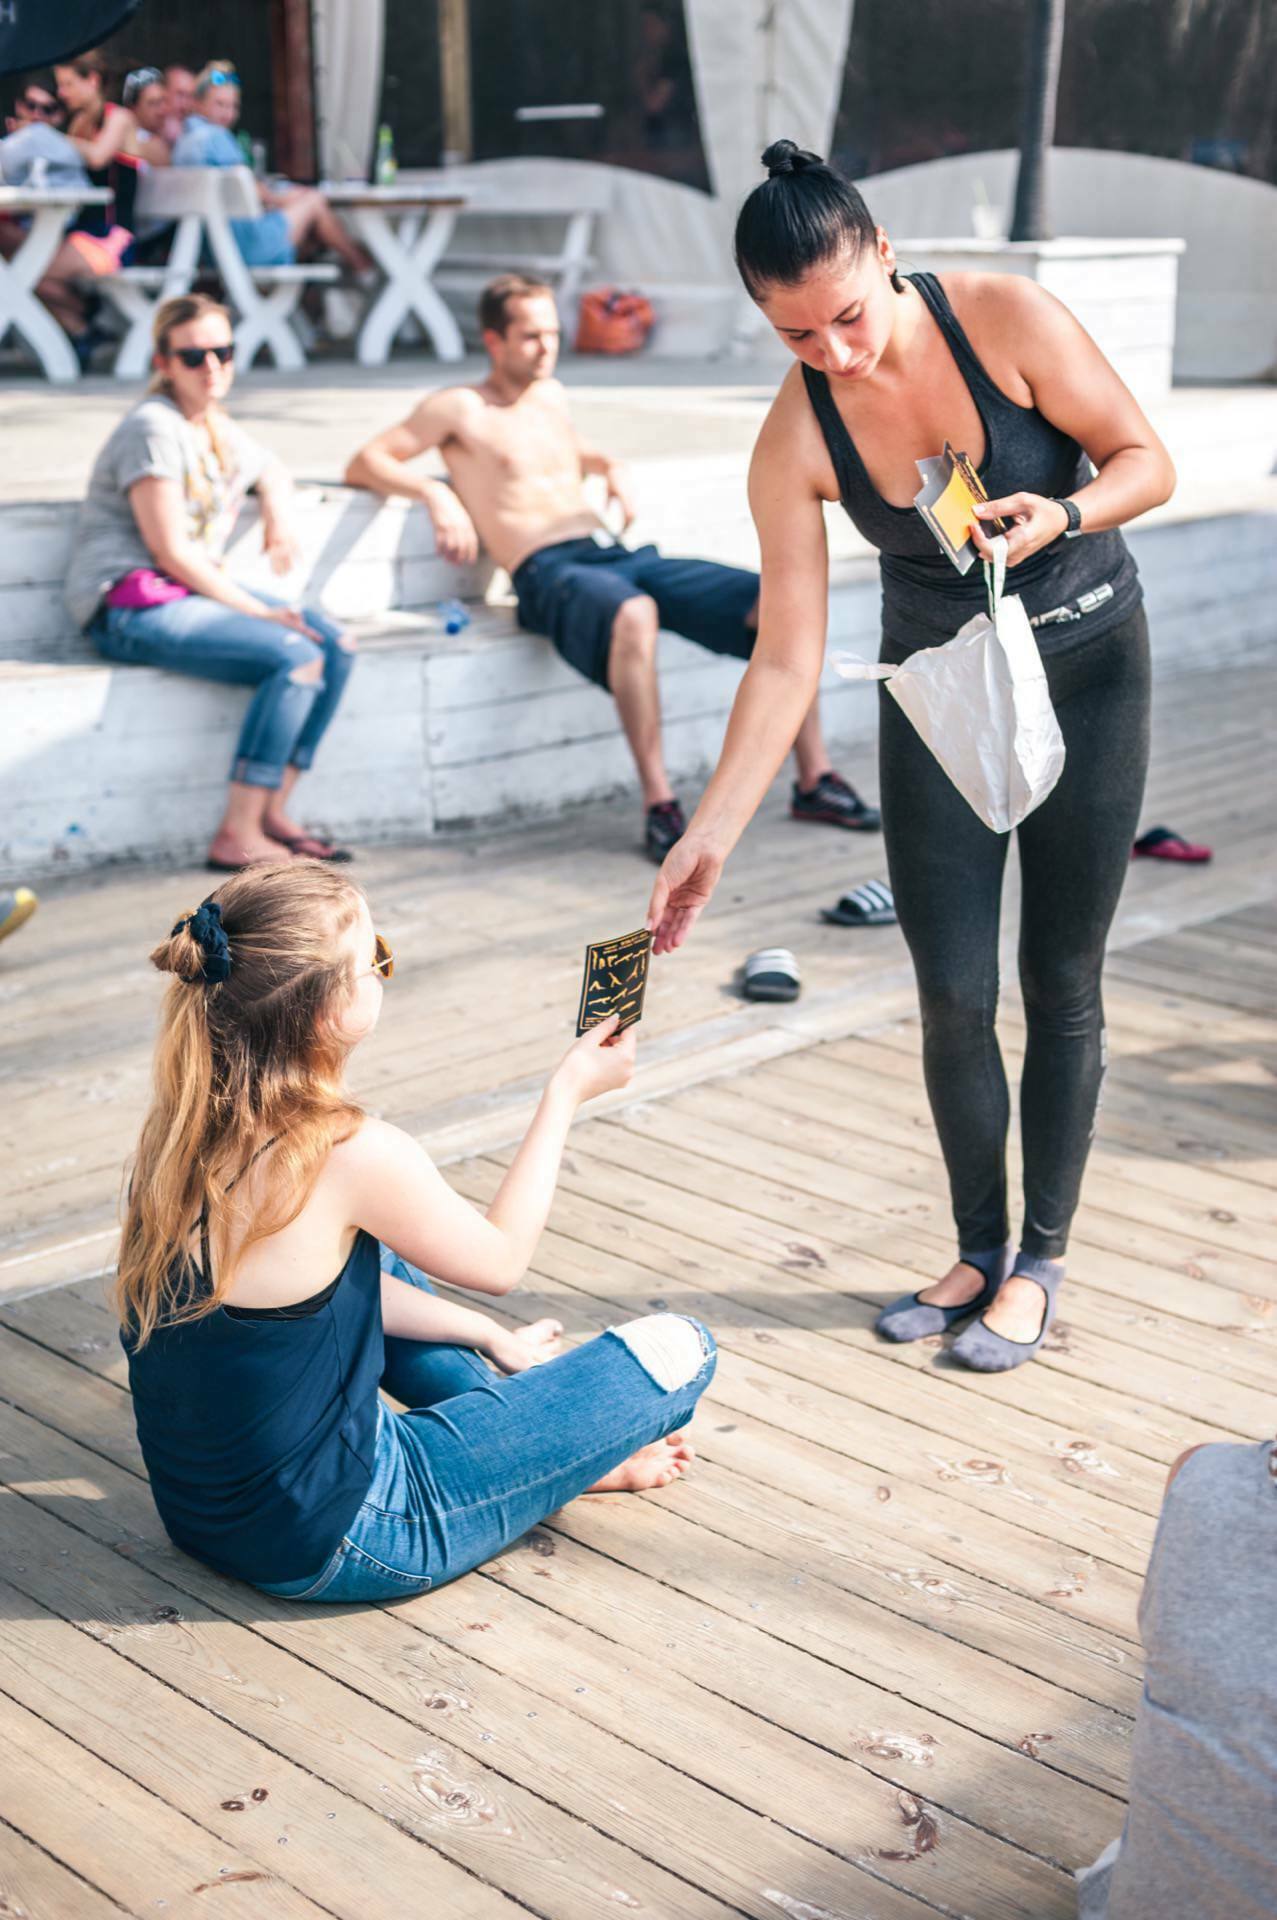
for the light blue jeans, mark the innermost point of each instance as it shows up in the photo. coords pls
(479, 1458)
(286, 718)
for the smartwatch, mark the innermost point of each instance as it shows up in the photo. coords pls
(1074, 512)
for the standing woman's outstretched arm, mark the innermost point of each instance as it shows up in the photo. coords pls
(781, 679)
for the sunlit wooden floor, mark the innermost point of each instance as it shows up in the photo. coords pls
(878, 1656)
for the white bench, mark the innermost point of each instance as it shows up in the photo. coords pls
(438, 730)
(202, 202)
(555, 234)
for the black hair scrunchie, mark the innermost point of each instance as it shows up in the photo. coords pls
(210, 936)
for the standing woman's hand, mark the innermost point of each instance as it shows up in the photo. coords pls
(683, 888)
(1033, 522)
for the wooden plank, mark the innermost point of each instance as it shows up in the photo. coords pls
(96, 1687)
(34, 1885)
(381, 1652)
(374, 1657)
(127, 1844)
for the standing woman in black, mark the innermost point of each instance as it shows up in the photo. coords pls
(890, 367)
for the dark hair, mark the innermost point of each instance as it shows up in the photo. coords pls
(802, 215)
(495, 299)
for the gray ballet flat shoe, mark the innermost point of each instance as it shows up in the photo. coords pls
(984, 1351)
(910, 1318)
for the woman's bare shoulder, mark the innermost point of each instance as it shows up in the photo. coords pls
(790, 441)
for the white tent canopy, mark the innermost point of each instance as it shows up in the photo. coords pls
(781, 78)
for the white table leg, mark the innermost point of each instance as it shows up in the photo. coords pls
(19, 307)
(269, 326)
(407, 254)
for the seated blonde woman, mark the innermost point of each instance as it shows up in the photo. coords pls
(148, 585)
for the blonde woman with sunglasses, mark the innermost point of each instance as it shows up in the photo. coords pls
(148, 585)
(272, 1283)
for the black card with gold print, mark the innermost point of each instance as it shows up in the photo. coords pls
(615, 980)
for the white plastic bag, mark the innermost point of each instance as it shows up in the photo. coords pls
(981, 704)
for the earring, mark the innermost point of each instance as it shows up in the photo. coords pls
(894, 276)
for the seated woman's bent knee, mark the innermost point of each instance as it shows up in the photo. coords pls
(671, 1348)
(308, 675)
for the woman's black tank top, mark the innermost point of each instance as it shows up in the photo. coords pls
(924, 598)
(258, 1427)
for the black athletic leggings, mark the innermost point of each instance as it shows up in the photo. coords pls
(946, 871)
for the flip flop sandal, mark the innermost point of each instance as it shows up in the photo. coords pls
(772, 974)
(311, 846)
(867, 906)
(1163, 843)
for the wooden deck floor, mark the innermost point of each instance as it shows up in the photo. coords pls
(877, 1658)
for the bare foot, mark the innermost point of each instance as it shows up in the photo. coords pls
(1017, 1311)
(237, 849)
(960, 1284)
(654, 1466)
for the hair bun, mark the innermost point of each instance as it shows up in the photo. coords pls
(786, 156)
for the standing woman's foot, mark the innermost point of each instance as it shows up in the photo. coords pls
(655, 1466)
(970, 1284)
(1013, 1329)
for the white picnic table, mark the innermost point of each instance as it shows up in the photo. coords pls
(406, 228)
(51, 210)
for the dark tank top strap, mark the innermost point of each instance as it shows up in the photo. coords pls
(969, 362)
(849, 468)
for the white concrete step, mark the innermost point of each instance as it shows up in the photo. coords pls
(99, 762)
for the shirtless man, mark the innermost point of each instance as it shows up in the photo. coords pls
(517, 465)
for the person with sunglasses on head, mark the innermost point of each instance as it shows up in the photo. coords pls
(272, 1283)
(294, 220)
(148, 585)
(146, 96)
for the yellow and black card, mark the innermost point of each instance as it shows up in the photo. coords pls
(615, 980)
(947, 501)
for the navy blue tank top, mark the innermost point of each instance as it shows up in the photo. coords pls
(924, 598)
(258, 1429)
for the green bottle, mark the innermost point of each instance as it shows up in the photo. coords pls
(386, 167)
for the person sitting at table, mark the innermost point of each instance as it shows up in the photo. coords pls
(179, 88)
(517, 465)
(36, 105)
(98, 240)
(294, 220)
(147, 583)
(35, 154)
(146, 96)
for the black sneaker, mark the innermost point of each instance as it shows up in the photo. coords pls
(836, 803)
(666, 825)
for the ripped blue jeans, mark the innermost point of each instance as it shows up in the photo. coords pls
(286, 718)
(479, 1458)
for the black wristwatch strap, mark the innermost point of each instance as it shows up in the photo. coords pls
(1074, 513)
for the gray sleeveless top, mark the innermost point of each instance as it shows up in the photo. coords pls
(924, 597)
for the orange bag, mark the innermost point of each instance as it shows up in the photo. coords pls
(613, 322)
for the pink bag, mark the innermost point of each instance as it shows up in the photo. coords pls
(144, 587)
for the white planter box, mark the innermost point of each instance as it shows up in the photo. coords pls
(1122, 291)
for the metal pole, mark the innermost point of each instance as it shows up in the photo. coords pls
(454, 70)
(1042, 80)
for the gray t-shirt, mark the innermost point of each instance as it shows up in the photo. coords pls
(1201, 1829)
(156, 440)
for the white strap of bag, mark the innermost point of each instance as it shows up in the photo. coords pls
(995, 574)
